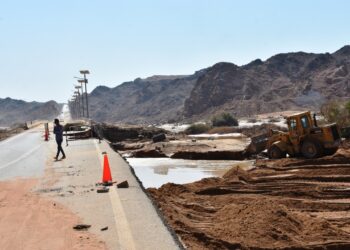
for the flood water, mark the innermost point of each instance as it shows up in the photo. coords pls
(154, 172)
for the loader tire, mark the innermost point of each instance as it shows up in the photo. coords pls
(275, 152)
(330, 151)
(311, 149)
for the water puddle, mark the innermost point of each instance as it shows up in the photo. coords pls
(154, 172)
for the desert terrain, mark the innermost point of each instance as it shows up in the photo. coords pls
(280, 204)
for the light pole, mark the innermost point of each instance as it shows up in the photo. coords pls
(76, 106)
(69, 106)
(77, 103)
(81, 81)
(81, 98)
(84, 73)
(77, 97)
(73, 107)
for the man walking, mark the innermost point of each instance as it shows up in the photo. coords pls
(58, 131)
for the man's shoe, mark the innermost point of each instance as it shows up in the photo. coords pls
(63, 157)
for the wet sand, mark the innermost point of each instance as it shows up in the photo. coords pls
(281, 204)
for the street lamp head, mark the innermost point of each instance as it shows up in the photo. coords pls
(84, 72)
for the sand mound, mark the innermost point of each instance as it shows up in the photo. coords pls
(281, 204)
(237, 173)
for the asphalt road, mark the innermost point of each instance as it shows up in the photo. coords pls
(128, 214)
(23, 155)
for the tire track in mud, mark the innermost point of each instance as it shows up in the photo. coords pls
(284, 204)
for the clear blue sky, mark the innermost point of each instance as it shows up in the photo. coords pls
(43, 44)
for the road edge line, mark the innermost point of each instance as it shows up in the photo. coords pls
(126, 239)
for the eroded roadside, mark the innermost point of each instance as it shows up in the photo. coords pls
(289, 203)
(72, 183)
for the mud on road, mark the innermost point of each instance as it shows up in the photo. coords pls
(281, 204)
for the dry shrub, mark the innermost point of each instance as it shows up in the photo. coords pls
(337, 112)
(224, 119)
(197, 128)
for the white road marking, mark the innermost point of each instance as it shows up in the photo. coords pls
(21, 157)
(126, 240)
(123, 228)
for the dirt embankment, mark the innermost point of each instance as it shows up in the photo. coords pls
(224, 143)
(15, 129)
(281, 204)
(184, 147)
(118, 133)
(187, 148)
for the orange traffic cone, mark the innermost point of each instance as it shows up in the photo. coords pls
(107, 177)
(46, 134)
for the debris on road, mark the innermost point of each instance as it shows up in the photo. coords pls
(81, 227)
(102, 190)
(123, 184)
(104, 228)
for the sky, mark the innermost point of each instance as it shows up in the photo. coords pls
(44, 44)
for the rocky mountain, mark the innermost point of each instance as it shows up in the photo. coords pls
(152, 100)
(17, 111)
(285, 81)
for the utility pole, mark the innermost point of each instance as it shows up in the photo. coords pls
(76, 107)
(77, 97)
(84, 73)
(80, 99)
(81, 81)
(69, 106)
(73, 107)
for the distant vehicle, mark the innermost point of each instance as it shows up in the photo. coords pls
(304, 137)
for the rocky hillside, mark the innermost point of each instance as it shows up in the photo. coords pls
(17, 111)
(152, 100)
(284, 81)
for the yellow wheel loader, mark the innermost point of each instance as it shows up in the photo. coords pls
(304, 138)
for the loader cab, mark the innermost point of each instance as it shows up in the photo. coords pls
(299, 125)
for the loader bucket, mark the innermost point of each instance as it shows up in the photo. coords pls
(258, 144)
